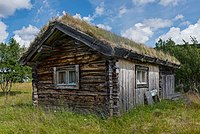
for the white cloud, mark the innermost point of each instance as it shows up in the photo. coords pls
(3, 32)
(122, 11)
(179, 17)
(173, 32)
(169, 2)
(88, 18)
(8, 7)
(142, 2)
(157, 23)
(25, 35)
(185, 23)
(161, 2)
(85, 18)
(99, 9)
(44, 11)
(106, 27)
(178, 35)
(77, 16)
(141, 32)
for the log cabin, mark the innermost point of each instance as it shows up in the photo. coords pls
(87, 69)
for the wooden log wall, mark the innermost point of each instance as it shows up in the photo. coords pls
(92, 95)
(110, 85)
(130, 96)
(34, 86)
(116, 89)
(113, 87)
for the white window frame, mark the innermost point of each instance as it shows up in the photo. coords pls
(66, 69)
(142, 73)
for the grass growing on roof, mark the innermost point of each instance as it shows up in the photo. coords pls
(17, 115)
(109, 38)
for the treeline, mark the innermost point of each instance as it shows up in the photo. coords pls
(10, 69)
(188, 76)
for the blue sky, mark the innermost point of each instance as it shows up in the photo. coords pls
(143, 21)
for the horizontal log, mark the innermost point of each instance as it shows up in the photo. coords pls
(45, 82)
(83, 74)
(93, 77)
(82, 60)
(83, 100)
(44, 72)
(75, 93)
(43, 79)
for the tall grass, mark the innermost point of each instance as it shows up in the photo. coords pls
(17, 115)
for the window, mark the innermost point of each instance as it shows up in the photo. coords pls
(142, 76)
(66, 77)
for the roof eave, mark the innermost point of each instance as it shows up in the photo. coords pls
(94, 43)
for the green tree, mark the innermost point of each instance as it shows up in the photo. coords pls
(10, 69)
(189, 55)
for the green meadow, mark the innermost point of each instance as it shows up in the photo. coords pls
(18, 116)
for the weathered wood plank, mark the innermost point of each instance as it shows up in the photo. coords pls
(131, 88)
(140, 96)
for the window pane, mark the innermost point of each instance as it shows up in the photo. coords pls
(143, 77)
(138, 76)
(62, 77)
(72, 77)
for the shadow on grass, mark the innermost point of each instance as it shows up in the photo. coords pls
(13, 93)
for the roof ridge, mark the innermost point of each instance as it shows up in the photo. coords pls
(107, 37)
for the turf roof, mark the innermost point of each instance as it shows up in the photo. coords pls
(109, 38)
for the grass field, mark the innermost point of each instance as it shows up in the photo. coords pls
(17, 116)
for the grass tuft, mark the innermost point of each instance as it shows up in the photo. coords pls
(17, 115)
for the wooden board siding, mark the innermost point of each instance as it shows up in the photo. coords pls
(92, 94)
(126, 84)
(139, 96)
(153, 77)
(131, 96)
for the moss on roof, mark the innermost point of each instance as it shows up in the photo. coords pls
(108, 37)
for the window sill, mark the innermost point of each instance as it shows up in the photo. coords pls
(142, 83)
(142, 86)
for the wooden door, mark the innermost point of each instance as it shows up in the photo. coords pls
(167, 86)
